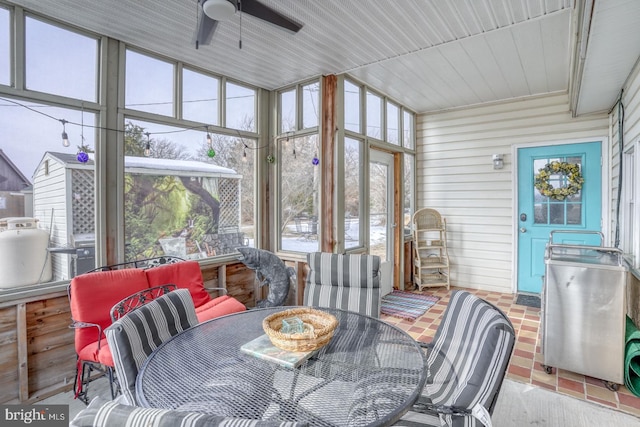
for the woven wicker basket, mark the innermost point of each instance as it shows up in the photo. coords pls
(324, 324)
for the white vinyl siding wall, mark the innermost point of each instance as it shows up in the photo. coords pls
(50, 198)
(455, 175)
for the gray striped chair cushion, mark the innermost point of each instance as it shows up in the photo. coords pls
(134, 337)
(104, 413)
(349, 282)
(476, 340)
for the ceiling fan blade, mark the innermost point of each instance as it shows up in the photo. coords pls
(259, 10)
(206, 28)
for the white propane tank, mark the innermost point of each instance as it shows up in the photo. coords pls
(24, 258)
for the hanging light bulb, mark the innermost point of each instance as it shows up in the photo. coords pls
(147, 148)
(209, 139)
(65, 137)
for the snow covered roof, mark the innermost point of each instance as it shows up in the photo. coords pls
(152, 166)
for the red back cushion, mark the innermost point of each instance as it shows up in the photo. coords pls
(185, 274)
(94, 294)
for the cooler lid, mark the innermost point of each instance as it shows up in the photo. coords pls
(592, 255)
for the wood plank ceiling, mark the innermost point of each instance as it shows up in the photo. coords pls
(429, 55)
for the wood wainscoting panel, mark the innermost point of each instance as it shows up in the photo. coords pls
(50, 346)
(9, 384)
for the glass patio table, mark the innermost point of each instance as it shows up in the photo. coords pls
(370, 373)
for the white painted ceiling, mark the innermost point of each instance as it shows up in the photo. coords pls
(429, 55)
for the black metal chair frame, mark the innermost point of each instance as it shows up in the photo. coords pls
(137, 300)
(140, 263)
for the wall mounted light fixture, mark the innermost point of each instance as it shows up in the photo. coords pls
(498, 161)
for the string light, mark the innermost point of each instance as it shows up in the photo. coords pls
(209, 140)
(147, 148)
(65, 137)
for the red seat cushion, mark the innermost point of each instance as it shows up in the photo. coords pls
(94, 294)
(185, 274)
(92, 353)
(217, 307)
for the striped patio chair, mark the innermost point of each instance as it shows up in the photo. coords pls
(163, 317)
(348, 282)
(466, 363)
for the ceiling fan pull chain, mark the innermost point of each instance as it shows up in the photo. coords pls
(240, 10)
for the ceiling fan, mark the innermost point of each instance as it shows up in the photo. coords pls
(210, 12)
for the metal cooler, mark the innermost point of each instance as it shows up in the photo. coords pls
(583, 310)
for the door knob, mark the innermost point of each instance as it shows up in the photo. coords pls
(523, 230)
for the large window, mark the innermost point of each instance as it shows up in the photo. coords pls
(200, 97)
(407, 130)
(148, 84)
(189, 191)
(386, 122)
(393, 124)
(299, 195)
(374, 115)
(240, 107)
(62, 194)
(60, 61)
(353, 171)
(50, 140)
(299, 107)
(5, 42)
(181, 201)
(352, 104)
(310, 105)
(288, 109)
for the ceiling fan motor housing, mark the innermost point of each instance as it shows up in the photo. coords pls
(220, 10)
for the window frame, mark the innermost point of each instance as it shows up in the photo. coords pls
(630, 210)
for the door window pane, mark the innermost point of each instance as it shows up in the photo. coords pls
(240, 107)
(299, 194)
(351, 107)
(557, 209)
(393, 123)
(353, 152)
(59, 61)
(378, 208)
(5, 53)
(374, 115)
(310, 105)
(148, 84)
(200, 97)
(181, 201)
(288, 111)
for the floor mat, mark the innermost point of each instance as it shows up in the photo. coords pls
(406, 305)
(528, 300)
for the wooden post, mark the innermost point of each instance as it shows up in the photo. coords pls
(328, 127)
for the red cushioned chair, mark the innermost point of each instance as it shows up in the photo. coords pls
(91, 297)
(188, 275)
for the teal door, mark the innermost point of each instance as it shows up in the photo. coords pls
(539, 214)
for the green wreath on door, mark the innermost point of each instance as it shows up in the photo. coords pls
(569, 170)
